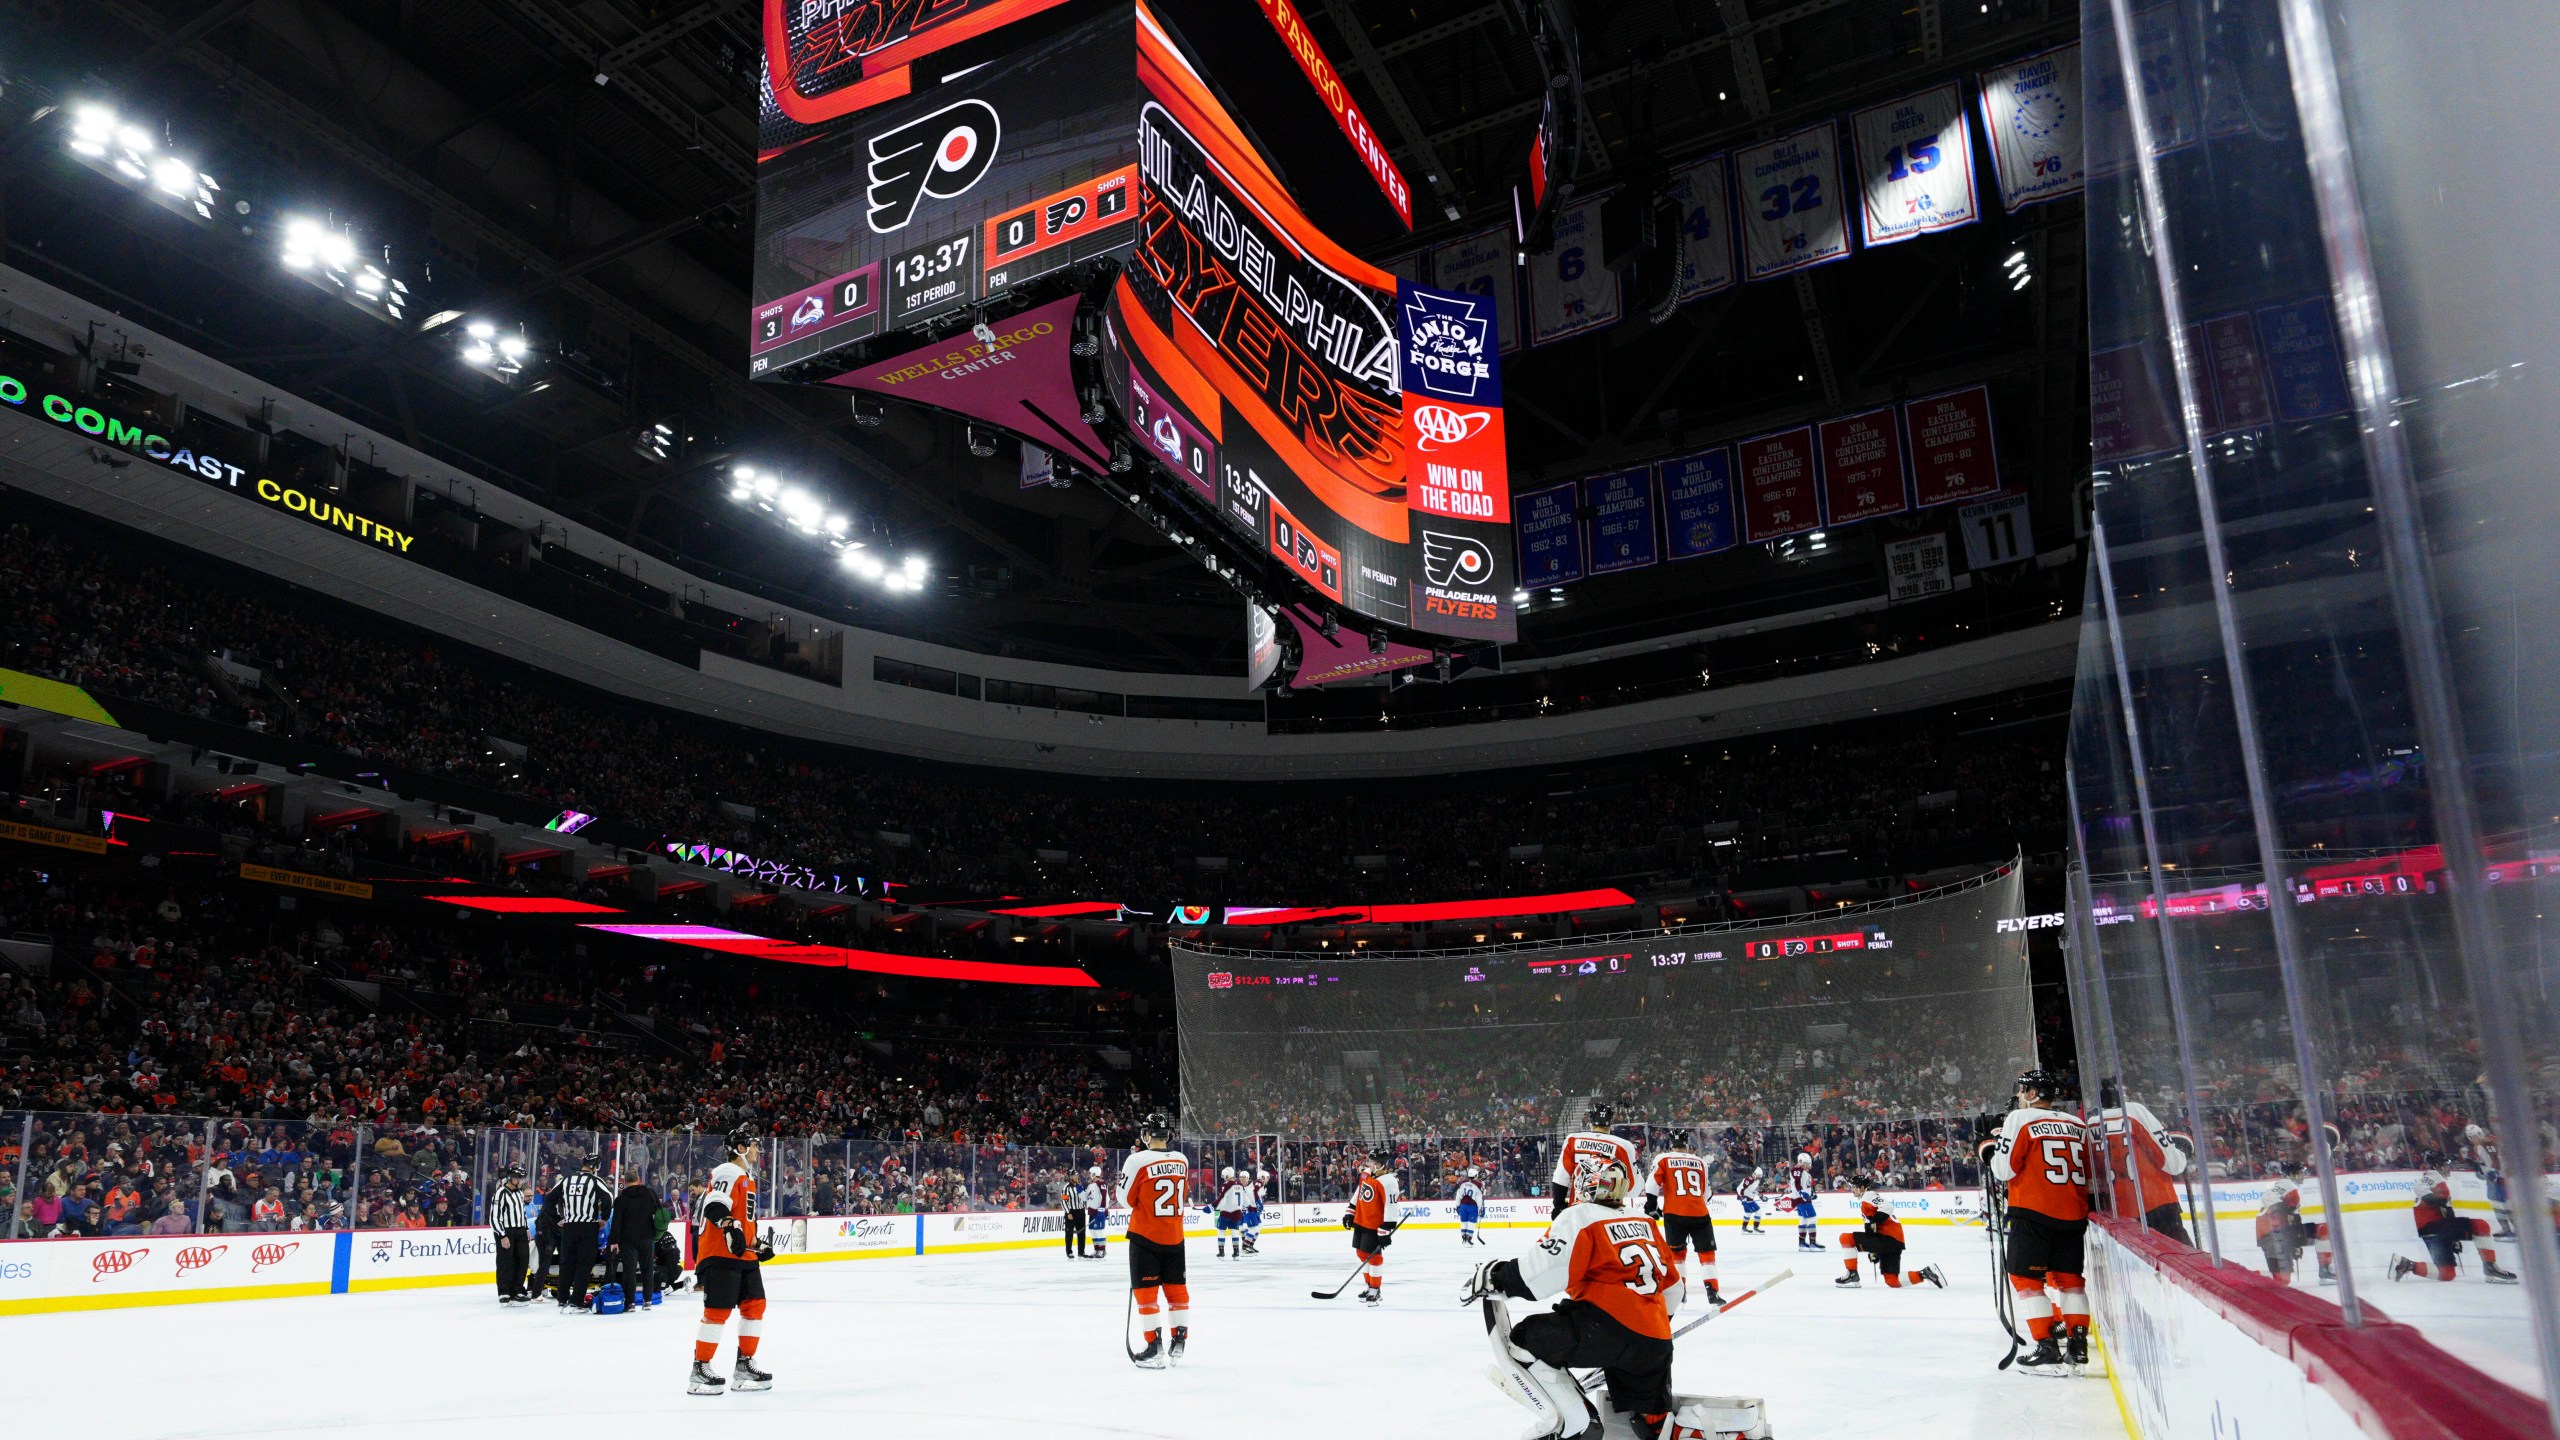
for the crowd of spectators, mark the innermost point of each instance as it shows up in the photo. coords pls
(175, 631)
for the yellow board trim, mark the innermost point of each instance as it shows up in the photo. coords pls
(2124, 1411)
(37, 693)
(131, 1298)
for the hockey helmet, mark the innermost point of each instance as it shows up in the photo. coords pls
(1759, 1171)
(2474, 1134)
(1157, 1126)
(1094, 1171)
(1261, 1177)
(743, 1138)
(1471, 1172)
(1804, 1159)
(511, 1172)
(2041, 1081)
(1605, 1181)
(1227, 1174)
(1601, 1113)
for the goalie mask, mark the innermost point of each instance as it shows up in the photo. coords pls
(1605, 1182)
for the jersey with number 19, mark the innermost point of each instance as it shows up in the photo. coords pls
(1155, 1185)
(2043, 1157)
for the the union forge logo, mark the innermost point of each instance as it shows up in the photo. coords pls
(941, 155)
(1448, 348)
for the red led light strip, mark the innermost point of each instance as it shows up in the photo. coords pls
(878, 962)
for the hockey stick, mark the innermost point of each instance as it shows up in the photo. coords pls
(1338, 1289)
(1995, 1227)
(1129, 1312)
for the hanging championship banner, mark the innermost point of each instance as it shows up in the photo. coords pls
(2031, 110)
(2240, 397)
(1697, 503)
(2302, 360)
(1862, 467)
(1706, 227)
(1916, 569)
(1951, 454)
(1483, 265)
(1621, 508)
(2132, 403)
(1915, 167)
(1570, 291)
(1791, 213)
(1550, 536)
(1778, 493)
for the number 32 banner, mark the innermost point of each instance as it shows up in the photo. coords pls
(1915, 166)
(1791, 215)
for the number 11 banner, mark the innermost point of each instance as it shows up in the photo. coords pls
(1791, 215)
(1915, 166)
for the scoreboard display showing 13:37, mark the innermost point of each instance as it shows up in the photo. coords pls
(933, 276)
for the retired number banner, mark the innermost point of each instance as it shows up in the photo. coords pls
(2032, 112)
(1778, 493)
(1482, 265)
(1915, 167)
(1570, 291)
(1791, 206)
(1706, 228)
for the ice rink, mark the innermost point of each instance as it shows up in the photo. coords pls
(1028, 1343)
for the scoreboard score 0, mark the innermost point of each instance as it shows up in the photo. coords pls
(1872, 938)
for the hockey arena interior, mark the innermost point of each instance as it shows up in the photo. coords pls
(1672, 719)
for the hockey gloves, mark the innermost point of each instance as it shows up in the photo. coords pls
(1653, 1206)
(764, 1247)
(1346, 1219)
(1387, 1234)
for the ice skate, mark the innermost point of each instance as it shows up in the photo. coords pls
(1933, 1275)
(1181, 1341)
(747, 1375)
(2401, 1266)
(2046, 1359)
(2076, 1349)
(1370, 1296)
(1849, 1281)
(703, 1381)
(2492, 1272)
(1153, 1357)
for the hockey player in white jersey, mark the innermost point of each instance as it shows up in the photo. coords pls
(1748, 1192)
(1231, 1203)
(1256, 1189)
(1585, 1147)
(1095, 1203)
(1616, 1288)
(1470, 1200)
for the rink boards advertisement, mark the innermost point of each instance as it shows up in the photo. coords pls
(47, 1275)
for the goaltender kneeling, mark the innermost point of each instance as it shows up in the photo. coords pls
(1620, 1287)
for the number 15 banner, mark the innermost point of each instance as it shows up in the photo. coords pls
(1915, 166)
(1791, 215)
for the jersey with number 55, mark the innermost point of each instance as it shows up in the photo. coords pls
(2043, 1157)
(1611, 1258)
(1155, 1185)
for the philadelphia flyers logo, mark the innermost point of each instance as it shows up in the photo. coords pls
(1455, 559)
(941, 155)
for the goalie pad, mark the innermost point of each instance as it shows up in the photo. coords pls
(1554, 1401)
(1718, 1417)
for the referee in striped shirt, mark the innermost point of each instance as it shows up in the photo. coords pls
(506, 1217)
(583, 1201)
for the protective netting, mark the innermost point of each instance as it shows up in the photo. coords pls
(1918, 1007)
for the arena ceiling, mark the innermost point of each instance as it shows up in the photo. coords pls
(587, 167)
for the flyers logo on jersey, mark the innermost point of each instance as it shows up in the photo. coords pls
(1440, 425)
(942, 155)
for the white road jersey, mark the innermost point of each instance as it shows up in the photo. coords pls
(1235, 1201)
(1583, 1145)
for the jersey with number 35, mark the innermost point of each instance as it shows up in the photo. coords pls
(1610, 1258)
(2043, 1156)
(1155, 1185)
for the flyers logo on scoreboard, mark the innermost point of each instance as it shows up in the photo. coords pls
(1057, 219)
(1316, 562)
(942, 155)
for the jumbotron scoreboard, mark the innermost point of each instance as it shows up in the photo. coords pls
(1042, 216)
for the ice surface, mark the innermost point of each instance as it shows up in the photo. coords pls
(1027, 1343)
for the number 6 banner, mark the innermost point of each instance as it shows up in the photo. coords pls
(1570, 291)
(1915, 166)
(1791, 215)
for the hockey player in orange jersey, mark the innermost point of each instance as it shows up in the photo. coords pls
(1585, 1147)
(1376, 1209)
(2041, 1155)
(2445, 1233)
(1880, 1239)
(1677, 1188)
(729, 1258)
(1616, 1287)
(1155, 1185)
(2282, 1232)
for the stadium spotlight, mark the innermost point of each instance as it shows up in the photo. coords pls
(329, 259)
(1377, 642)
(496, 352)
(128, 154)
(2021, 273)
(657, 443)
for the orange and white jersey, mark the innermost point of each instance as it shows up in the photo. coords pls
(1611, 1258)
(1156, 1185)
(2139, 1160)
(1375, 1204)
(1585, 1146)
(1680, 1178)
(2279, 1210)
(733, 1185)
(2043, 1157)
(1880, 1218)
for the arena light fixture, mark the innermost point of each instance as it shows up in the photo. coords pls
(126, 151)
(2021, 273)
(328, 257)
(494, 350)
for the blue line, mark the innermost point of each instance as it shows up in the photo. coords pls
(340, 1261)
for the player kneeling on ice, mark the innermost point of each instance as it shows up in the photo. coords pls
(2445, 1233)
(2282, 1232)
(729, 1269)
(1619, 1288)
(1880, 1239)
